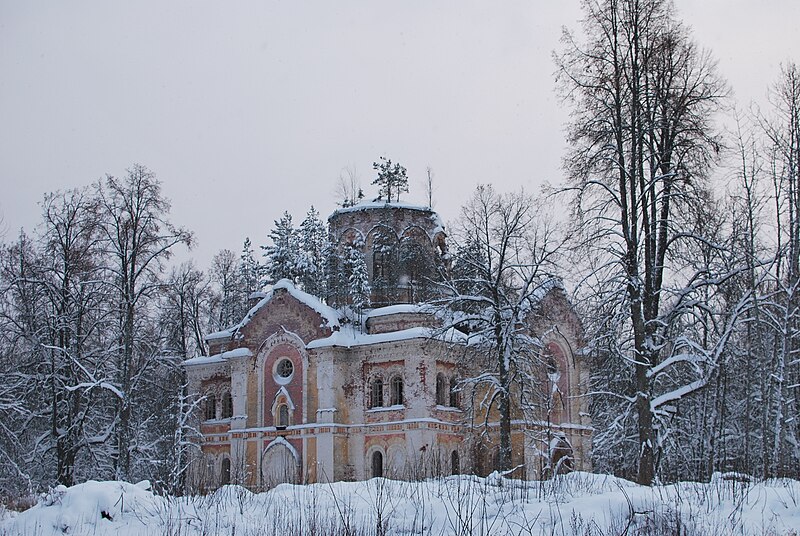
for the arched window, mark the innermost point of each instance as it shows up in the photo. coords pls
(377, 464)
(225, 472)
(227, 406)
(211, 407)
(455, 463)
(376, 393)
(454, 402)
(283, 416)
(379, 260)
(397, 391)
(441, 388)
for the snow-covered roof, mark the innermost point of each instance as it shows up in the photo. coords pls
(219, 358)
(329, 314)
(438, 225)
(369, 205)
(348, 337)
(403, 308)
(538, 294)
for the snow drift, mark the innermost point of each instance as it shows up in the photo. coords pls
(577, 503)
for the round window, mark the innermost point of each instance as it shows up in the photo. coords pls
(284, 368)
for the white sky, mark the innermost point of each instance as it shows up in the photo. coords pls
(246, 109)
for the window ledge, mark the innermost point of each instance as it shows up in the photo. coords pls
(452, 409)
(379, 409)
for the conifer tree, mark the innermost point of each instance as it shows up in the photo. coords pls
(250, 270)
(282, 254)
(311, 257)
(358, 279)
(391, 179)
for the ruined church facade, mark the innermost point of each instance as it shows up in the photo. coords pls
(303, 391)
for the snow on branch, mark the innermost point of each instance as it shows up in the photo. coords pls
(677, 394)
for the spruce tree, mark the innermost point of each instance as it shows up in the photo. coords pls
(251, 271)
(282, 254)
(358, 287)
(310, 266)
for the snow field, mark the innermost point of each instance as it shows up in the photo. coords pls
(577, 503)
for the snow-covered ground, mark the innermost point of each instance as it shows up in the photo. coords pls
(578, 503)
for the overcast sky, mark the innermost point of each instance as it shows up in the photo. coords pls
(247, 109)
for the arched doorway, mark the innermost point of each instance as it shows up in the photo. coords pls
(280, 465)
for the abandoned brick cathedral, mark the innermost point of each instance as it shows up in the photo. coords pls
(296, 393)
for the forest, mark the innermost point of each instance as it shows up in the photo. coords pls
(680, 247)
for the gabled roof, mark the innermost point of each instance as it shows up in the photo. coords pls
(329, 315)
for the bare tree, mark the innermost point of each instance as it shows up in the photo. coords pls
(185, 310)
(139, 239)
(226, 273)
(71, 277)
(348, 187)
(511, 255)
(54, 320)
(429, 185)
(782, 128)
(3, 226)
(643, 98)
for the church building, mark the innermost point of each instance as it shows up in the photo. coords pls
(306, 390)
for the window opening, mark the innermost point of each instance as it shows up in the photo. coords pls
(285, 368)
(283, 416)
(211, 407)
(454, 402)
(225, 472)
(376, 393)
(227, 406)
(377, 464)
(440, 389)
(397, 391)
(379, 259)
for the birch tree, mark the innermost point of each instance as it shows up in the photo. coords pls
(782, 128)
